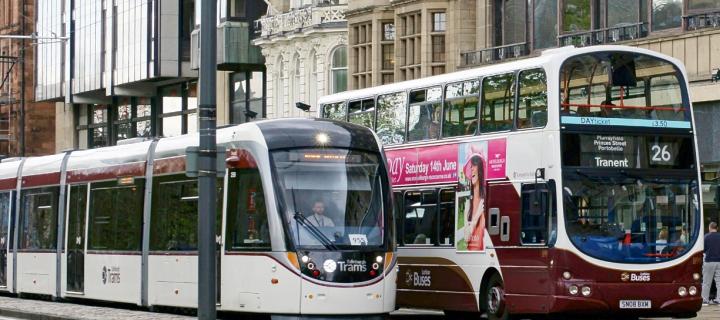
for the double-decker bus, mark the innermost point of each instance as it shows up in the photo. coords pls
(560, 184)
(303, 223)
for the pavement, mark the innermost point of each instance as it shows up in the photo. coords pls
(15, 308)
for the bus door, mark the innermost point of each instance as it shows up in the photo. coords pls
(76, 237)
(522, 232)
(4, 237)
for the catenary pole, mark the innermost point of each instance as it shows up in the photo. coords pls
(207, 163)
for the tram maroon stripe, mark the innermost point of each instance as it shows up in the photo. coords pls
(136, 169)
(169, 165)
(8, 184)
(44, 179)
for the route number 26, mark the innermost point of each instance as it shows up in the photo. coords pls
(660, 153)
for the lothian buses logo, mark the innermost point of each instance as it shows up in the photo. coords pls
(635, 277)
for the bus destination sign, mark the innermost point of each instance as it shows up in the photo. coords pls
(608, 151)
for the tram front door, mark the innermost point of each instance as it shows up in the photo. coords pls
(77, 207)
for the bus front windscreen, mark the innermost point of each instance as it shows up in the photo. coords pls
(630, 219)
(622, 89)
(332, 198)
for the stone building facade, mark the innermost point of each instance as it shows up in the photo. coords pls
(26, 126)
(305, 48)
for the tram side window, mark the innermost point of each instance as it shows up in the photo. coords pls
(424, 114)
(498, 103)
(447, 217)
(116, 213)
(362, 112)
(247, 222)
(4, 219)
(420, 223)
(335, 111)
(391, 118)
(174, 213)
(38, 224)
(460, 111)
(532, 106)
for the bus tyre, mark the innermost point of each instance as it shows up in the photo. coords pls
(495, 299)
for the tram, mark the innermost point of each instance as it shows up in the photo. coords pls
(119, 223)
(566, 183)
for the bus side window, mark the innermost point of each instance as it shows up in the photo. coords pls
(447, 217)
(247, 222)
(498, 103)
(460, 109)
(420, 223)
(532, 106)
(391, 118)
(334, 111)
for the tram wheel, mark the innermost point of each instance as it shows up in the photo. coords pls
(495, 299)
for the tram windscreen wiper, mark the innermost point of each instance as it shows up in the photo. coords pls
(302, 220)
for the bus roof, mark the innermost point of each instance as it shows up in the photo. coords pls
(547, 58)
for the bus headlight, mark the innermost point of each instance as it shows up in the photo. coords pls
(566, 275)
(696, 276)
(586, 291)
(692, 290)
(682, 291)
(573, 290)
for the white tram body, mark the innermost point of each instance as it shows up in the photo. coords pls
(117, 223)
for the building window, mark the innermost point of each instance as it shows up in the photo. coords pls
(98, 130)
(510, 22)
(576, 15)
(703, 4)
(388, 31)
(179, 109)
(439, 19)
(544, 23)
(388, 57)
(188, 24)
(132, 118)
(278, 92)
(338, 70)
(438, 48)
(666, 14)
(295, 85)
(361, 40)
(410, 46)
(247, 96)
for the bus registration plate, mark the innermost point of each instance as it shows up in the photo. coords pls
(635, 304)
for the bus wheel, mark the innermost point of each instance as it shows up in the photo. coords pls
(495, 295)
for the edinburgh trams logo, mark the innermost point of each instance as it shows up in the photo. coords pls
(635, 277)
(110, 275)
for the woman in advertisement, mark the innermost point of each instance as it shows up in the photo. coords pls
(475, 211)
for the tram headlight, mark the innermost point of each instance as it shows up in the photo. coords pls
(311, 266)
(375, 266)
(378, 259)
(305, 259)
(573, 290)
(696, 276)
(586, 291)
(566, 275)
(692, 290)
(682, 291)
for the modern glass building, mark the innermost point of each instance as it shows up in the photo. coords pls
(129, 68)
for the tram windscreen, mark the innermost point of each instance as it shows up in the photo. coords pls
(332, 198)
(631, 219)
(622, 88)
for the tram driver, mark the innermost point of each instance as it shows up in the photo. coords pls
(318, 218)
